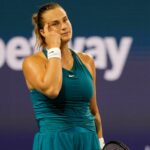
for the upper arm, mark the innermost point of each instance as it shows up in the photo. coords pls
(93, 104)
(33, 72)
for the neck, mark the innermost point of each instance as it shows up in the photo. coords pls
(64, 51)
(65, 54)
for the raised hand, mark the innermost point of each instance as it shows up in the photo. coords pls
(52, 38)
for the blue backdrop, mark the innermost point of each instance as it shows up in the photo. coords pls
(116, 33)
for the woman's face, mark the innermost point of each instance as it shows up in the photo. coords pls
(58, 21)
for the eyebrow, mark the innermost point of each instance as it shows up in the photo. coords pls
(58, 20)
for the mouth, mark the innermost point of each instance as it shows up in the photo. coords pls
(66, 33)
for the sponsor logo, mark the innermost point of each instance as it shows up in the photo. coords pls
(70, 76)
(109, 55)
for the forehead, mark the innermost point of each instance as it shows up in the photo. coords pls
(54, 14)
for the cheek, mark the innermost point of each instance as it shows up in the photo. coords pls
(69, 25)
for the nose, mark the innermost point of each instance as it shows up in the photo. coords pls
(63, 26)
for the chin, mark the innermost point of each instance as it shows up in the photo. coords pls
(65, 40)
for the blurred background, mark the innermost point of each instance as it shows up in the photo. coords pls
(117, 35)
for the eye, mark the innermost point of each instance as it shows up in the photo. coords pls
(65, 19)
(55, 24)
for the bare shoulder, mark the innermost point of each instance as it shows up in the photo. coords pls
(33, 66)
(86, 58)
(28, 61)
(88, 62)
(34, 59)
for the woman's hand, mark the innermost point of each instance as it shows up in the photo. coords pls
(52, 38)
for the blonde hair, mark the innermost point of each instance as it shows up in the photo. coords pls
(37, 20)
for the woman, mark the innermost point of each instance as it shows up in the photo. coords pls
(62, 87)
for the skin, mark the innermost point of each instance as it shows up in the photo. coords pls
(46, 75)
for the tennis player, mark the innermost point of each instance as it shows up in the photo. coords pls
(62, 85)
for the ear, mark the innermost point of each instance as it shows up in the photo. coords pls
(42, 32)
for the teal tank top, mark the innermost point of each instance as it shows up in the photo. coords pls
(71, 107)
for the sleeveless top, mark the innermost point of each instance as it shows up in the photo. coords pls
(71, 107)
